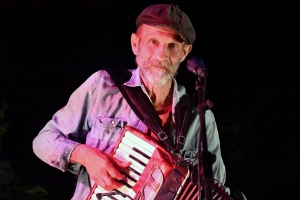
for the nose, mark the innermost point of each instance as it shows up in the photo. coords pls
(162, 51)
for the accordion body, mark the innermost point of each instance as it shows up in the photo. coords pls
(154, 173)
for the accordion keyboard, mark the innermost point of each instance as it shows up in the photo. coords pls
(138, 152)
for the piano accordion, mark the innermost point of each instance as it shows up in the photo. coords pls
(154, 173)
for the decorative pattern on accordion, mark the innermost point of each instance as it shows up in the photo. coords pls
(151, 166)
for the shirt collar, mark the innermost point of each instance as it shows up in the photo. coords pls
(135, 81)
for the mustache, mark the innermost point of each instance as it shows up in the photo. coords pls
(155, 62)
(158, 63)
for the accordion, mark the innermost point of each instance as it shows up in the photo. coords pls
(154, 173)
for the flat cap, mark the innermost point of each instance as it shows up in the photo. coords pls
(169, 16)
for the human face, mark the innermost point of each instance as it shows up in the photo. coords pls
(159, 52)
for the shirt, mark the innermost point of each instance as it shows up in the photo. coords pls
(95, 115)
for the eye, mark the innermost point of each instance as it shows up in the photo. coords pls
(153, 42)
(173, 45)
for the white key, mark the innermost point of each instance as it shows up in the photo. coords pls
(129, 182)
(132, 144)
(124, 155)
(134, 175)
(130, 151)
(139, 141)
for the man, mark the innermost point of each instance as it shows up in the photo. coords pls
(81, 136)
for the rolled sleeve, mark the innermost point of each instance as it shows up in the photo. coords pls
(59, 154)
(67, 128)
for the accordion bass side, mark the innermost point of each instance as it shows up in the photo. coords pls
(154, 173)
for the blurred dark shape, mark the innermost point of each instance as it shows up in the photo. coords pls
(11, 186)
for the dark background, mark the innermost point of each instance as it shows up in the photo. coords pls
(250, 49)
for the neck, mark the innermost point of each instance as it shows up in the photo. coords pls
(161, 96)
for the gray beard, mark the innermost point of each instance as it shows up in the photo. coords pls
(156, 76)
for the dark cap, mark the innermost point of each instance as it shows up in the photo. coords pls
(169, 16)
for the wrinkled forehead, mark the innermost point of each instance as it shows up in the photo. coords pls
(159, 29)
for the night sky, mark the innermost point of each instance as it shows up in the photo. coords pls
(250, 51)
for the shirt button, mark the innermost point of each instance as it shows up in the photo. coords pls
(112, 122)
(106, 131)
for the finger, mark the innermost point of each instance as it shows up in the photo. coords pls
(122, 166)
(121, 163)
(111, 182)
(117, 166)
(115, 174)
(103, 184)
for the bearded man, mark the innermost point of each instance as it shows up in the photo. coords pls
(81, 136)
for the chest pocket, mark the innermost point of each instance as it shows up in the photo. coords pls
(105, 133)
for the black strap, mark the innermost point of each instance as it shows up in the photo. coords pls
(183, 112)
(140, 104)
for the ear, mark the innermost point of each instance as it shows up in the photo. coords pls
(186, 50)
(134, 43)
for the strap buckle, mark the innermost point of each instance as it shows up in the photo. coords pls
(162, 136)
(181, 140)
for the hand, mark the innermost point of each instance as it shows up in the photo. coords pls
(102, 168)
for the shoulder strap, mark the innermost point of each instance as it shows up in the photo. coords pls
(140, 104)
(183, 112)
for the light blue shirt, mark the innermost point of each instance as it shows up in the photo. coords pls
(96, 114)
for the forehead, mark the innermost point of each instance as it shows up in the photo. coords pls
(146, 31)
